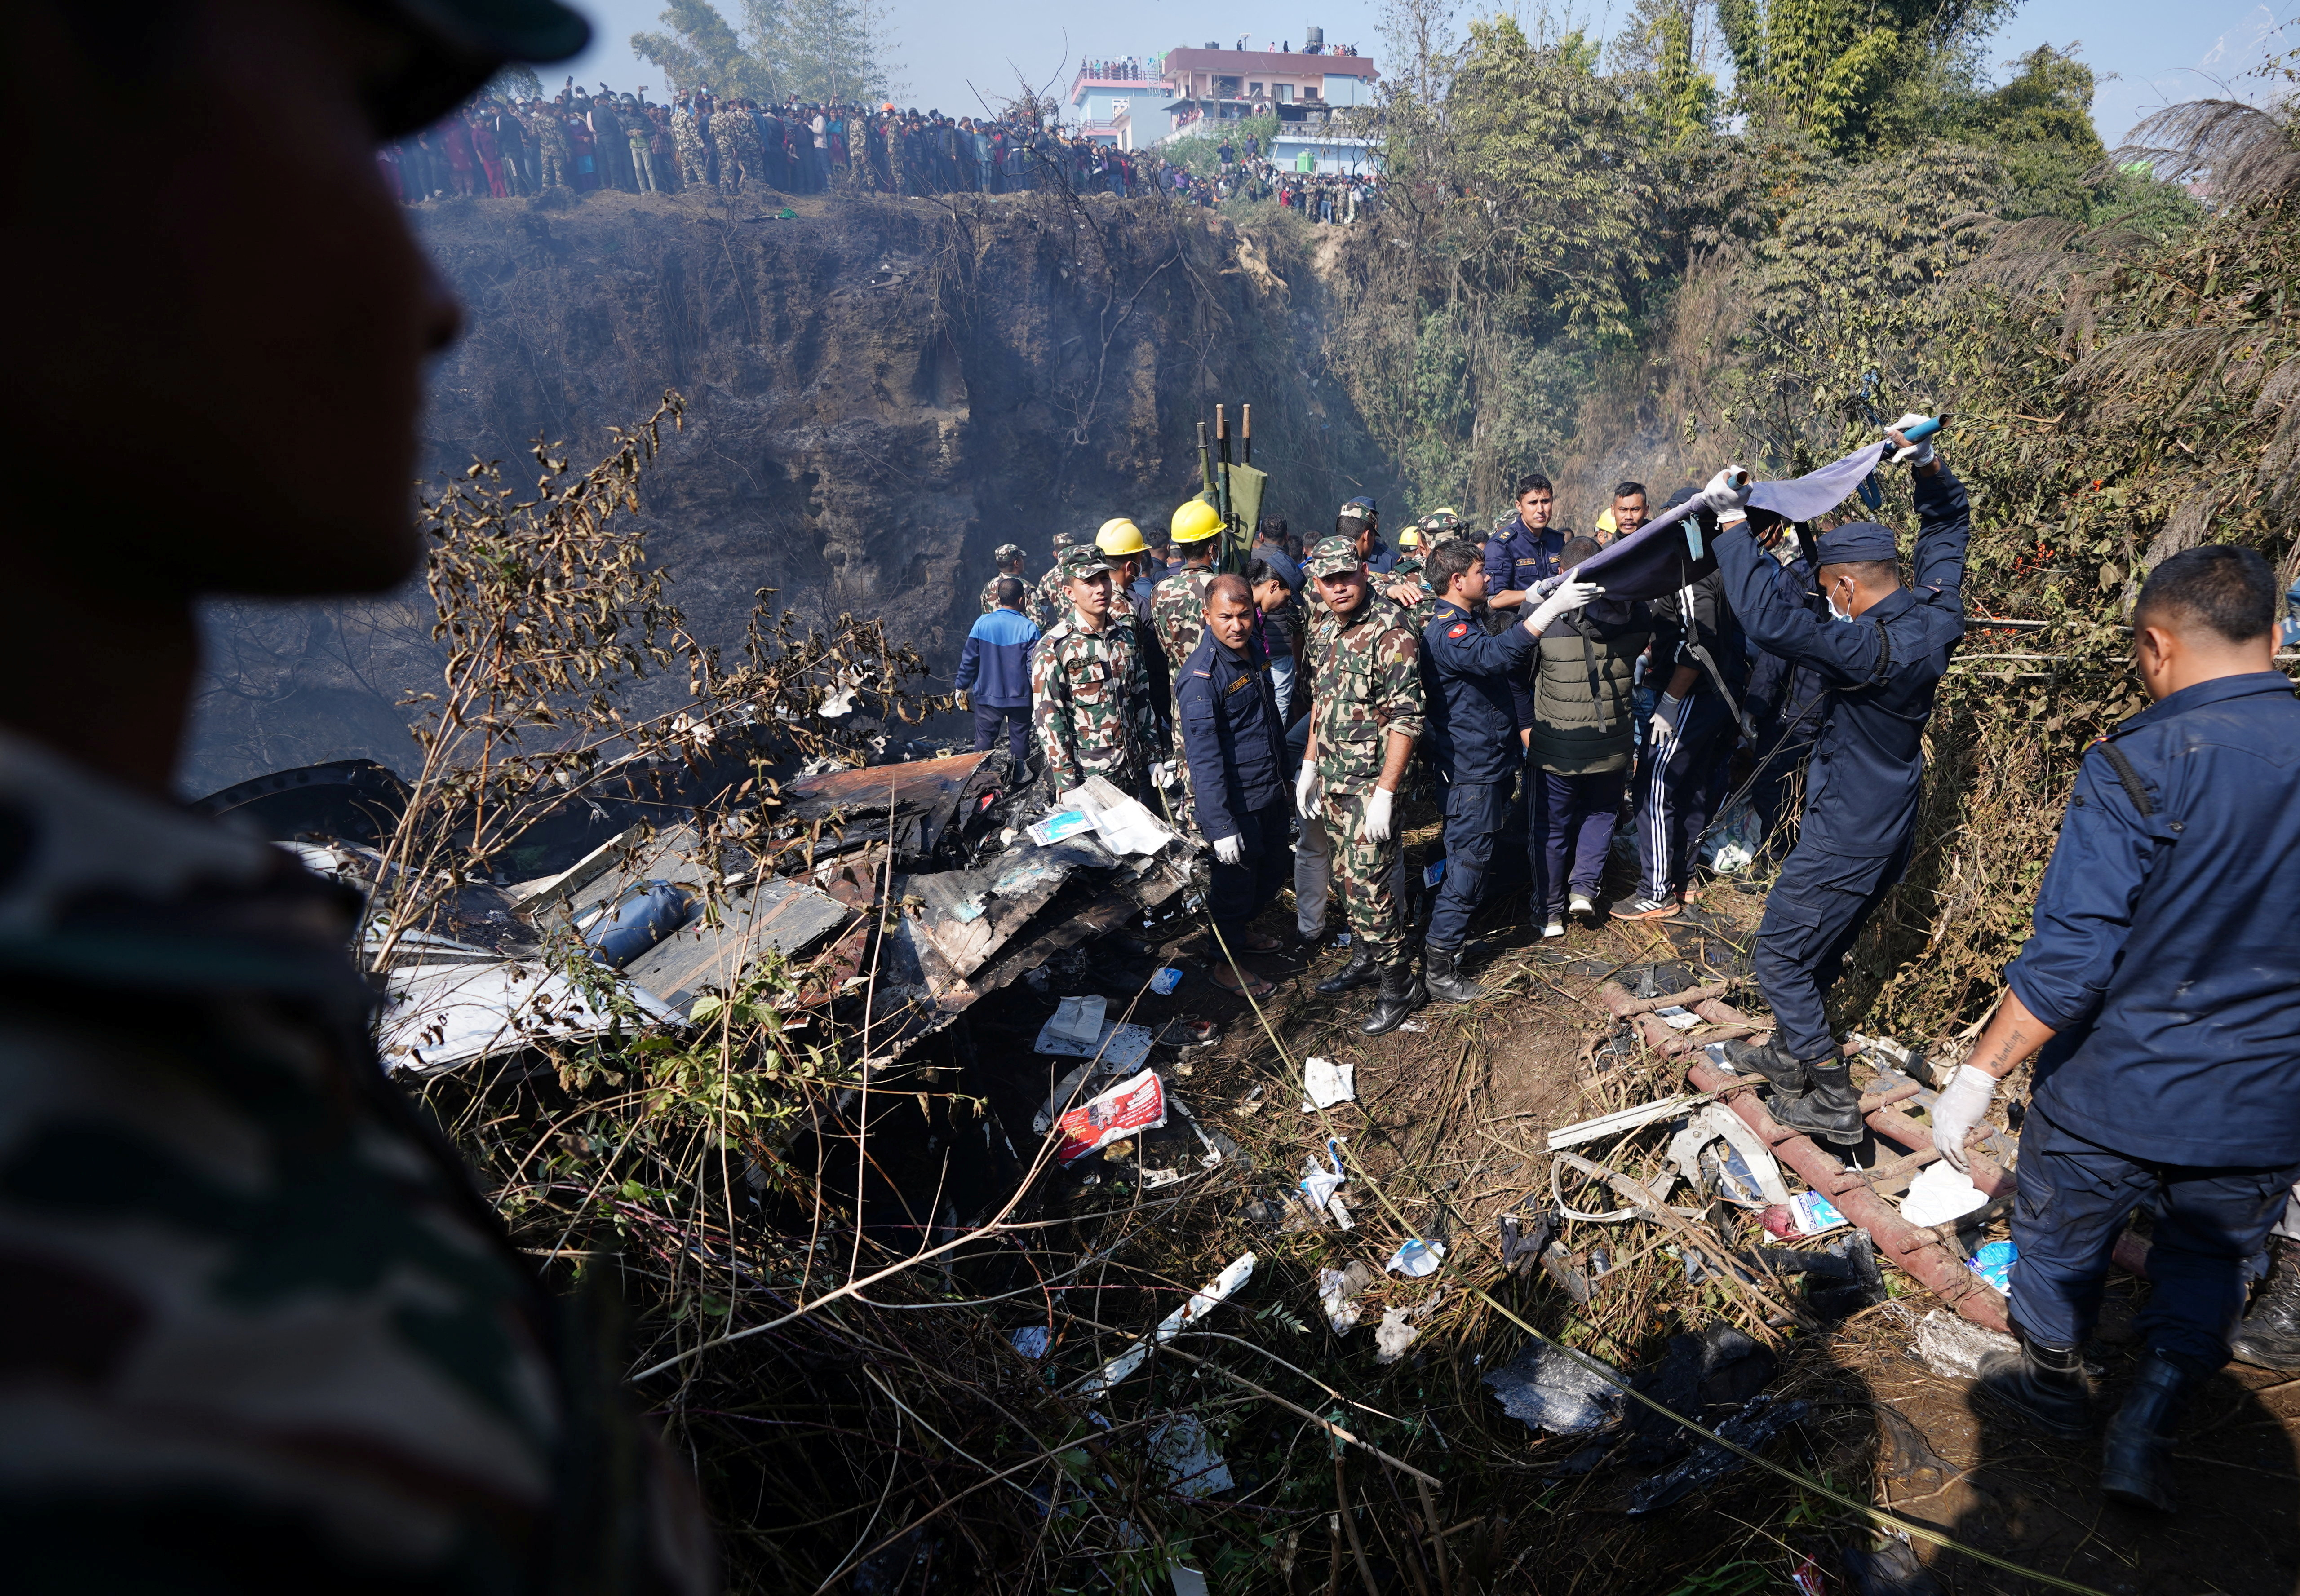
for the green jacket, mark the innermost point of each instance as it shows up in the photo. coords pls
(1584, 691)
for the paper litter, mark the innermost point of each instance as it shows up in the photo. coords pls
(1953, 1347)
(1941, 1193)
(1328, 1083)
(1416, 1259)
(1201, 1302)
(1392, 1335)
(1076, 1026)
(1137, 1104)
(1318, 1185)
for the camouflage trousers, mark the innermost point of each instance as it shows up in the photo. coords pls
(550, 172)
(1372, 876)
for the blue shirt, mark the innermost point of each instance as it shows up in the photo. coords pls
(995, 665)
(1231, 735)
(1466, 693)
(1879, 673)
(1517, 558)
(2167, 944)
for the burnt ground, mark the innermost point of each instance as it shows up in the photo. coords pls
(1448, 1124)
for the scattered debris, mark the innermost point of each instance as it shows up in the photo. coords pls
(1322, 1188)
(1953, 1347)
(1076, 1028)
(1338, 1293)
(1392, 1335)
(1626, 1120)
(1758, 1422)
(1137, 1104)
(1201, 1302)
(1165, 980)
(1808, 1213)
(1032, 1341)
(1416, 1259)
(1328, 1083)
(1194, 1468)
(436, 1016)
(1742, 1172)
(1550, 1388)
(1994, 1263)
(1940, 1193)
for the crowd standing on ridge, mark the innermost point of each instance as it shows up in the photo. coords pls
(581, 141)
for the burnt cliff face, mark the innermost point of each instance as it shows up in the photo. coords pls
(880, 394)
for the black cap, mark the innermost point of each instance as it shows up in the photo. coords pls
(458, 45)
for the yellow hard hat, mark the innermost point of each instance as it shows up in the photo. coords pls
(1120, 535)
(1194, 522)
(1411, 538)
(1605, 522)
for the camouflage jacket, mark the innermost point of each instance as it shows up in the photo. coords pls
(1049, 600)
(1365, 684)
(1090, 705)
(262, 1329)
(990, 597)
(551, 133)
(1178, 611)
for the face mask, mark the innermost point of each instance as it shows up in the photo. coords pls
(1834, 612)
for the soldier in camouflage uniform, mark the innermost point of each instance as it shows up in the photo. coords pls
(1178, 605)
(740, 157)
(555, 162)
(687, 137)
(1090, 703)
(263, 1334)
(1051, 598)
(1008, 557)
(1366, 714)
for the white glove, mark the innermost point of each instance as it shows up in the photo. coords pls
(1919, 453)
(1728, 492)
(1306, 791)
(1377, 815)
(1960, 1110)
(1663, 723)
(1230, 849)
(1570, 596)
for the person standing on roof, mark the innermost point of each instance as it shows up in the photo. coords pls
(1228, 715)
(2160, 998)
(1009, 560)
(1881, 659)
(1090, 702)
(994, 671)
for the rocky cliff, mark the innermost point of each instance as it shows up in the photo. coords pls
(880, 393)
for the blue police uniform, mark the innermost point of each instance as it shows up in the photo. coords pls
(1234, 741)
(1880, 672)
(1472, 723)
(1516, 557)
(2167, 959)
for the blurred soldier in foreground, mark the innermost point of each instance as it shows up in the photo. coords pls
(263, 1334)
(1365, 717)
(2160, 996)
(1091, 702)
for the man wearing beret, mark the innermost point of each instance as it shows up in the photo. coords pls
(264, 1333)
(1879, 653)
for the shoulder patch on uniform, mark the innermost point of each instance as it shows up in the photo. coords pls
(1459, 630)
(1203, 673)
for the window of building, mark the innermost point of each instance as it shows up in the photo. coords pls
(1309, 94)
(1284, 92)
(1225, 88)
(1254, 91)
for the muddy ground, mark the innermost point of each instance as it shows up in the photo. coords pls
(1449, 1122)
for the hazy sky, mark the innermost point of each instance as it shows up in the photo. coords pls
(954, 57)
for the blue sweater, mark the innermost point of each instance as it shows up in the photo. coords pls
(995, 667)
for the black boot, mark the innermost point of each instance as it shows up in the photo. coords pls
(1829, 1109)
(2269, 1335)
(2047, 1386)
(1772, 1061)
(1360, 971)
(1402, 994)
(1445, 978)
(2134, 1451)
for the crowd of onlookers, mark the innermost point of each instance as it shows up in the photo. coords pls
(578, 140)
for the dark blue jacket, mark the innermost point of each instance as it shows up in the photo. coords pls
(995, 667)
(1466, 695)
(1230, 735)
(1381, 559)
(1881, 671)
(1281, 565)
(2167, 944)
(1517, 558)
(1145, 588)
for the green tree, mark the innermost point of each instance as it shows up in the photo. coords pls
(818, 50)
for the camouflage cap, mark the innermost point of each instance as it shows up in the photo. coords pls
(1063, 540)
(1083, 561)
(1007, 550)
(1330, 557)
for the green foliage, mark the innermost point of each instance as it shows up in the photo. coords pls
(818, 50)
(1196, 153)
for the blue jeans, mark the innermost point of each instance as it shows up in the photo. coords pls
(1017, 719)
(2073, 1201)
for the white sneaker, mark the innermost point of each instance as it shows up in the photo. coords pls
(1553, 928)
(1582, 905)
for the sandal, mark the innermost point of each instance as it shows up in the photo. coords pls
(1253, 986)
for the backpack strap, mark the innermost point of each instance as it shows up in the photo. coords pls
(2122, 763)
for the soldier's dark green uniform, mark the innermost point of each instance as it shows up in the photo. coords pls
(1050, 601)
(1006, 554)
(1365, 684)
(1090, 702)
